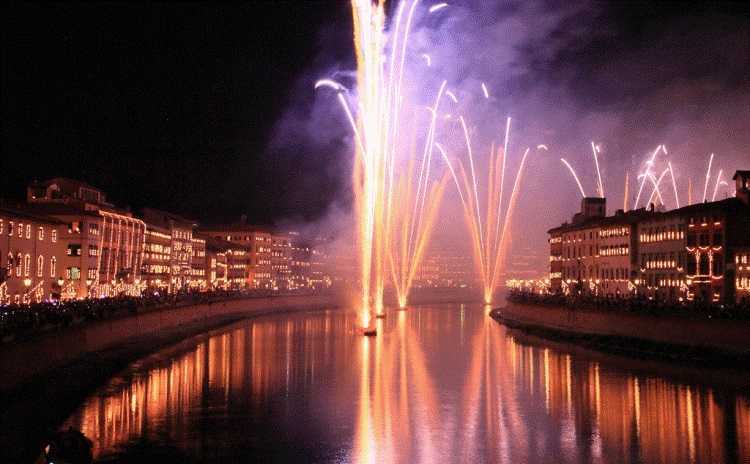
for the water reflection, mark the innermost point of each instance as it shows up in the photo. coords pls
(437, 384)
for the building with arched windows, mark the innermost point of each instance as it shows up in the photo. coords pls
(29, 251)
(695, 253)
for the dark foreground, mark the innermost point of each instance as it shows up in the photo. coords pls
(438, 384)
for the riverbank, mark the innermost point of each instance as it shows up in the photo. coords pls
(721, 343)
(43, 380)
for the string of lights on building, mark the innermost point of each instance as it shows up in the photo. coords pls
(697, 252)
(68, 242)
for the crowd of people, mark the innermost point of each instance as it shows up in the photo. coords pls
(637, 304)
(22, 320)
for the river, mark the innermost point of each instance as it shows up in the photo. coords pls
(441, 383)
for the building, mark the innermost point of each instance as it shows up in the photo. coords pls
(104, 253)
(30, 253)
(281, 256)
(217, 274)
(742, 275)
(662, 259)
(156, 270)
(445, 270)
(595, 254)
(180, 231)
(259, 243)
(300, 265)
(320, 277)
(693, 253)
(198, 271)
(714, 232)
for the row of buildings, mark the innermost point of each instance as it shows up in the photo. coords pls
(697, 252)
(67, 241)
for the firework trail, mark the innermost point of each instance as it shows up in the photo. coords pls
(575, 176)
(708, 176)
(716, 188)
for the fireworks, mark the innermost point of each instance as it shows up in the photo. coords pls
(489, 239)
(394, 214)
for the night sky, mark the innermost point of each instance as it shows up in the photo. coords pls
(182, 107)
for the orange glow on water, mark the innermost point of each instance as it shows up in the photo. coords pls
(412, 397)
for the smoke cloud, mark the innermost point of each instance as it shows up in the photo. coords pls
(628, 77)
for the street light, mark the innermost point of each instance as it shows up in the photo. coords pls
(27, 282)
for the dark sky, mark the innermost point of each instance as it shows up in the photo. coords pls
(164, 105)
(177, 106)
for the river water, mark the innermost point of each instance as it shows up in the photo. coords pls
(442, 383)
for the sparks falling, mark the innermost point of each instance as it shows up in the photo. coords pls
(395, 207)
(489, 238)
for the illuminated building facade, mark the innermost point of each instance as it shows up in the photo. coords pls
(157, 255)
(258, 242)
(216, 263)
(663, 258)
(742, 274)
(595, 254)
(320, 277)
(714, 231)
(198, 280)
(691, 253)
(281, 256)
(30, 250)
(300, 265)
(445, 270)
(104, 245)
(181, 246)
(239, 266)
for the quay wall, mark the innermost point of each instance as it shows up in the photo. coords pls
(662, 336)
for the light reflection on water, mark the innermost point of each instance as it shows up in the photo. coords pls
(437, 384)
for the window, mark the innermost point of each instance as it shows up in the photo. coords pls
(73, 273)
(92, 274)
(19, 229)
(1, 226)
(691, 239)
(93, 228)
(52, 266)
(54, 235)
(26, 265)
(10, 227)
(691, 267)
(9, 264)
(93, 250)
(40, 266)
(718, 238)
(28, 230)
(718, 265)
(74, 249)
(40, 234)
(703, 268)
(74, 227)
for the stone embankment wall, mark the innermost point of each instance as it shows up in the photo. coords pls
(715, 337)
(19, 362)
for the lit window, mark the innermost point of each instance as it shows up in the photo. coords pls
(40, 235)
(40, 266)
(20, 230)
(28, 230)
(54, 235)
(52, 266)
(26, 265)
